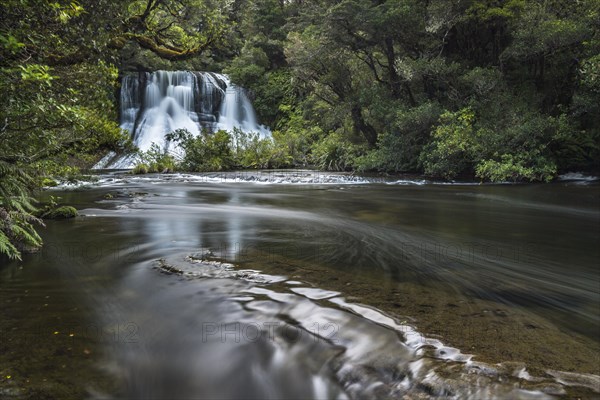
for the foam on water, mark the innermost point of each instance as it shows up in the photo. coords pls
(577, 176)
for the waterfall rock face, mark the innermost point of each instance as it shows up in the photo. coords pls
(154, 104)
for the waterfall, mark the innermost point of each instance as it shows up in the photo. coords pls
(130, 102)
(168, 105)
(154, 104)
(237, 112)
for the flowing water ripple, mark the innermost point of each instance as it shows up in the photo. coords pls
(370, 354)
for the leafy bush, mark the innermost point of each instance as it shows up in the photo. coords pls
(252, 151)
(140, 169)
(513, 168)
(224, 150)
(155, 159)
(515, 149)
(295, 136)
(398, 150)
(333, 153)
(205, 152)
(453, 145)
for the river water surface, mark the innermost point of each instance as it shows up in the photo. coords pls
(303, 285)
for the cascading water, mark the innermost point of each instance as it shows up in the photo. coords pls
(237, 112)
(130, 102)
(168, 105)
(154, 104)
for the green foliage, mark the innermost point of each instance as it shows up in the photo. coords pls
(540, 30)
(173, 30)
(35, 72)
(57, 108)
(269, 89)
(155, 159)
(295, 136)
(51, 209)
(208, 152)
(17, 231)
(515, 148)
(386, 70)
(205, 152)
(251, 151)
(11, 44)
(48, 182)
(140, 169)
(590, 74)
(249, 66)
(224, 150)
(400, 147)
(512, 168)
(333, 153)
(453, 145)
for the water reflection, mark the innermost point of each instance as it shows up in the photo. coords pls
(481, 241)
(352, 291)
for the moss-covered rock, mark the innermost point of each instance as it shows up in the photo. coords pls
(49, 182)
(62, 212)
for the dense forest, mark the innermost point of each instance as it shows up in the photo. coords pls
(492, 90)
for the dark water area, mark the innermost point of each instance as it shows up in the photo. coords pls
(203, 287)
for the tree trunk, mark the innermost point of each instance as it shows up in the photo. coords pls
(362, 127)
(394, 79)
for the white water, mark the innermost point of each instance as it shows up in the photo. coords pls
(154, 104)
(237, 112)
(168, 106)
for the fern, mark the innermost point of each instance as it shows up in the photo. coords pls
(6, 247)
(16, 207)
(25, 233)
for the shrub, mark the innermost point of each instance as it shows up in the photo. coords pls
(453, 145)
(155, 159)
(205, 152)
(513, 168)
(515, 147)
(333, 153)
(398, 149)
(140, 169)
(252, 151)
(295, 137)
(224, 150)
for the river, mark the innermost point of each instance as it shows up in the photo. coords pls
(298, 284)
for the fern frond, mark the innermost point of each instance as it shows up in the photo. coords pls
(16, 208)
(6, 247)
(26, 234)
